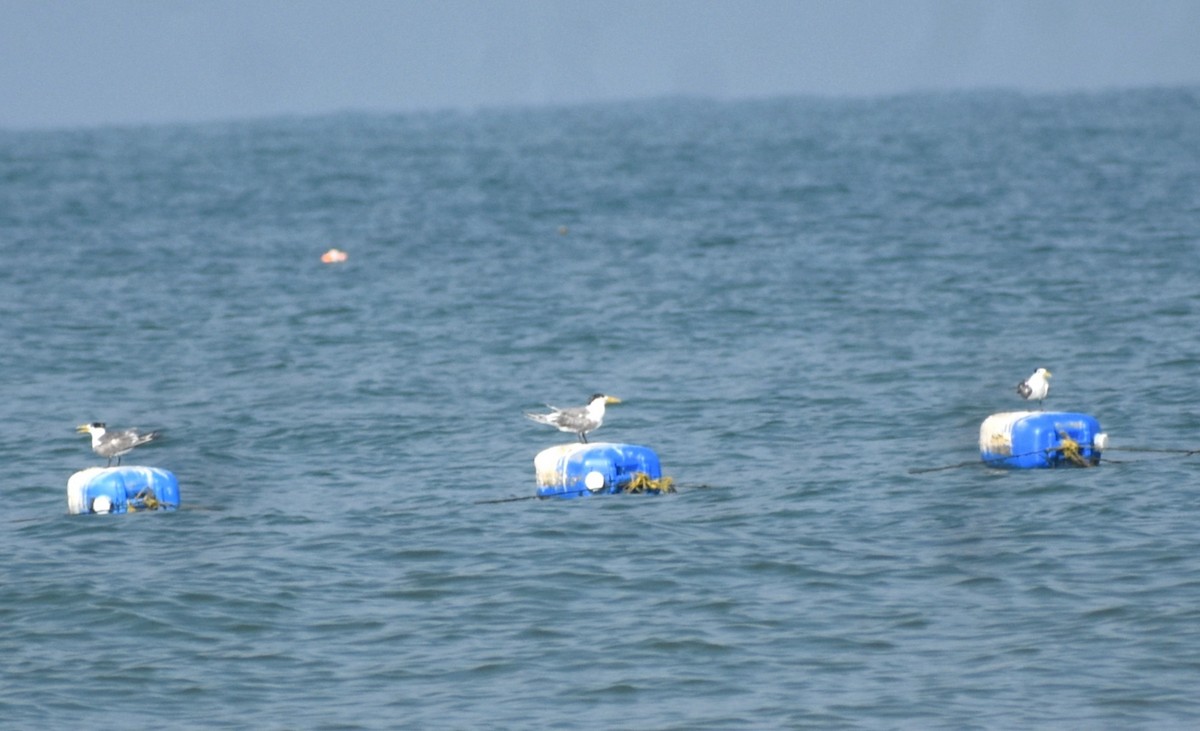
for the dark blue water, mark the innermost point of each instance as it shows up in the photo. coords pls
(800, 301)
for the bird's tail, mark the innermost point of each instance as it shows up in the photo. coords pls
(147, 438)
(539, 418)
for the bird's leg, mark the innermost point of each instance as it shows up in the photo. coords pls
(583, 438)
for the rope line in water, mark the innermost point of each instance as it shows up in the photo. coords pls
(508, 500)
(970, 463)
(1148, 450)
(641, 483)
(926, 470)
(1072, 452)
(1070, 448)
(1185, 452)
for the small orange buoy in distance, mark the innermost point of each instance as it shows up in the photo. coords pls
(333, 256)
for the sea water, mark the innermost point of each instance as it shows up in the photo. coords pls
(800, 301)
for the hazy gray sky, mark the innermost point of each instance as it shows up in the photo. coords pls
(87, 62)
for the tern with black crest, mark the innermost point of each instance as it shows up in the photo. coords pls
(578, 420)
(111, 443)
(1035, 387)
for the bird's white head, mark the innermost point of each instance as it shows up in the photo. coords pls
(96, 428)
(597, 403)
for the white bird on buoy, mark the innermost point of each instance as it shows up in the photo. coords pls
(577, 419)
(115, 442)
(1035, 387)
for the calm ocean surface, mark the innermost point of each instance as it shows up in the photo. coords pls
(800, 301)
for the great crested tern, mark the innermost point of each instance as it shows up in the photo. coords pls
(577, 419)
(115, 442)
(1035, 387)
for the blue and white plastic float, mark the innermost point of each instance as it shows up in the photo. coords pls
(599, 468)
(1037, 439)
(124, 489)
